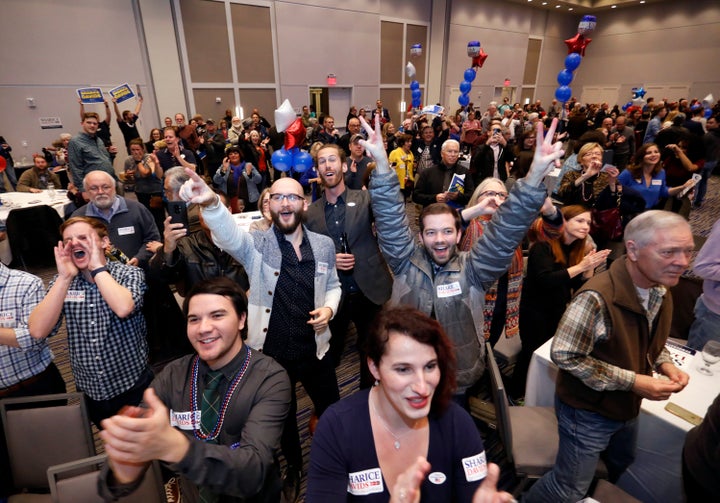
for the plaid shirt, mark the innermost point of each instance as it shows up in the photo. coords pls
(587, 322)
(20, 292)
(107, 353)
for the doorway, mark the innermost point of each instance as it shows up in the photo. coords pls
(333, 101)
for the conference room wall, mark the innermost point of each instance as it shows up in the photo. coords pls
(52, 48)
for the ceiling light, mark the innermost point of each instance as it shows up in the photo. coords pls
(557, 6)
(642, 1)
(570, 8)
(614, 7)
(544, 3)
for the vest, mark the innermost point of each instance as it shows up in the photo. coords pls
(631, 345)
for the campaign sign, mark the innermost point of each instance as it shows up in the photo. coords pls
(90, 95)
(122, 93)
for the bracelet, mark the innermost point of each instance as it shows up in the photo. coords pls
(97, 271)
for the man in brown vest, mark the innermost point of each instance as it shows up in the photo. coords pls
(607, 345)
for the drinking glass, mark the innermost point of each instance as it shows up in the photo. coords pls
(711, 355)
(51, 190)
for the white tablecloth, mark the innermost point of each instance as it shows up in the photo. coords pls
(656, 474)
(244, 220)
(13, 200)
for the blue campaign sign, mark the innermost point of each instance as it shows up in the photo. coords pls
(90, 95)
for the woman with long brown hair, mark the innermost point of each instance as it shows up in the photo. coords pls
(559, 262)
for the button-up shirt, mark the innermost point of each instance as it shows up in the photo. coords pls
(107, 353)
(85, 154)
(20, 292)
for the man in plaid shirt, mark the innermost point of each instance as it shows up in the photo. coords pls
(102, 305)
(609, 341)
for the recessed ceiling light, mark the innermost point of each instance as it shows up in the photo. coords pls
(544, 3)
(642, 1)
(570, 8)
(529, 1)
(614, 7)
(557, 6)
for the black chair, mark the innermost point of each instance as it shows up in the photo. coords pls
(33, 233)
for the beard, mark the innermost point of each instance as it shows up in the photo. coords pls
(287, 227)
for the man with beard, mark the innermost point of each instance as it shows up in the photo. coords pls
(433, 276)
(102, 304)
(37, 178)
(294, 293)
(344, 215)
(130, 224)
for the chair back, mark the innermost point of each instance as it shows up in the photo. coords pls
(77, 482)
(42, 431)
(500, 399)
(33, 233)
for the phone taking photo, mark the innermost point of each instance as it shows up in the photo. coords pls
(178, 213)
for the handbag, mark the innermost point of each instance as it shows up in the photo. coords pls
(607, 225)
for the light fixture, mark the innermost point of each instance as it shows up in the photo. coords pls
(570, 8)
(642, 1)
(557, 6)
(544, 3)
(613, 7)
(403, 107)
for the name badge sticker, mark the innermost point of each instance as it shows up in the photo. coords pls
(124, 231)
(322, 267)
(7, 319)
(656, 182)
(365, 482)
(185, 420)
(475, 467)
(75, 296)
(449, 290)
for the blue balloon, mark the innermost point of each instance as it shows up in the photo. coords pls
(465, 87)
(302, 162)
(416, 94)
(469, 74)
(572, 61)
(626, 106)
(414, 85)
(563, 94)
(565, 77)
(281, 160)
(464, 100)
(416, 103)
(708, 113)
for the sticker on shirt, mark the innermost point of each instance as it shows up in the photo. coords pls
(185, 420)
(365, 482)
(322, 267)
(437, 478)
(124, 231)
(450, 290)
(656, 182)
(7, 319)
(75, 296)
(475, 467)
(351, 204)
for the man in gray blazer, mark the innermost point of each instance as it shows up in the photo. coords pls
(345, 215)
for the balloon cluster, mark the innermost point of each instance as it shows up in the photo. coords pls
(478, 56)
(415, 93)
(576, 51)
(707, 103)
(638, 99)
(290, 157)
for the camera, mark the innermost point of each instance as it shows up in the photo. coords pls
(497, 131)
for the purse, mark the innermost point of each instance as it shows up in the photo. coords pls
(607, 225)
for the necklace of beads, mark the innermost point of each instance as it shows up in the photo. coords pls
(226, 399)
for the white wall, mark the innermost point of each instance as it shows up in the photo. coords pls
(50, 49)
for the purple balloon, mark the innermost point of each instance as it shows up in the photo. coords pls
(565, 77)
(572, 61)
(465, 87)
(563, 94)
(281, 160)
(469, 75)
(414, 85)
(464, 100)
(302, 162)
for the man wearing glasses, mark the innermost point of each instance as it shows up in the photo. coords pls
(294, 293)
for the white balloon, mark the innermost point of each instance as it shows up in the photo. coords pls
(410, 70)
(708, 101)
(639, 102)
(284, 116)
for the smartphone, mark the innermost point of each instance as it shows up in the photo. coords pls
(178, 213)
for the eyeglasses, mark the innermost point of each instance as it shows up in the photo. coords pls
(490, 193)
(293, 198)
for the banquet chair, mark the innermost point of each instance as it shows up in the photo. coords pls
(77, 482)
(33, 233)
(42, 431)
(529, 434)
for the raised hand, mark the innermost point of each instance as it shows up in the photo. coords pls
(196, 190)
(547, 155)
(171, 234)
(375, 146)
(63, 260)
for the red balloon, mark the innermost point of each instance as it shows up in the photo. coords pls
(577, 44)
(295, 134)
(479, 60)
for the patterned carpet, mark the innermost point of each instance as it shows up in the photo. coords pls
(701, 221)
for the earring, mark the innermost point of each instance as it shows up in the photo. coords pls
(377, 382)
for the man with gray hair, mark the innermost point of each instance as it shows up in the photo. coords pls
(437, 183)
(609, 341)
(131, 226)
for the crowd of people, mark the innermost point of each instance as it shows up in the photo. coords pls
(268, 308)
